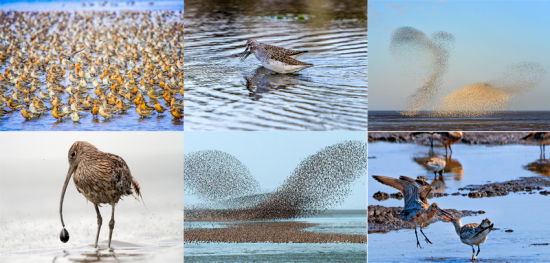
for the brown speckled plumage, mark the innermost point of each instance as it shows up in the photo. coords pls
(103, 178)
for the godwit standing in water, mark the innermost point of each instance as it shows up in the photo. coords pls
(275, 58)
(103, 178)
(417, 210)
(541, 138)
(436, 165)
(472, 234)
(446, 138)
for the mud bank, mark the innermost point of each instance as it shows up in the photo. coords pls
(383, 219)
(488, 138)
(526, 184)
(272, 232)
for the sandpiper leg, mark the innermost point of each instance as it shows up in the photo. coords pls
(473, 253)
(478, 249)
(427, 240)
(111, 225)
(417, 242)
(99, 221)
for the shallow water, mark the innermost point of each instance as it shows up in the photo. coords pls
(223, 94)
(129, 121)
(521, 212)
(503, 121)
(354, 223)
(29, 199)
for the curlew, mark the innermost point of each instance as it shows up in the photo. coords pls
(103, 178)
(275, 58)
(417, 210)
(541, 138)
(472, 234)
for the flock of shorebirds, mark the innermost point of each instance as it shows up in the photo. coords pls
(68, 65)
(417, 211)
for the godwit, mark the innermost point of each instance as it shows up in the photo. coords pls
(417, 210)
(436, 165)
(541, 138)
(472, 234)
(103, 178)
(275, 58)
(446, 138)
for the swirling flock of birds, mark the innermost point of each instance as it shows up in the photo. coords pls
(114, 62)
(320, 182)
(427, 58)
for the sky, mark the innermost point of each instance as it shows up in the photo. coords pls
(489, 37)
(272, 156)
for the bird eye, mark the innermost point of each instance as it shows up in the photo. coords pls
(73, 154)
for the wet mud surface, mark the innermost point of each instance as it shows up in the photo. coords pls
(490, 138)
(275, 232)
(527, 184)
(383, 219)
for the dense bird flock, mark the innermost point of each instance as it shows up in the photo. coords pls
(427, 59)
(68, 65)
(320, 182)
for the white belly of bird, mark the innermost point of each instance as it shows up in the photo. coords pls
(281, 67)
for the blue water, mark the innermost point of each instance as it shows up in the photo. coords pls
(286, 252)
(522, 212)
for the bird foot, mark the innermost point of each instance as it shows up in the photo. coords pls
(418, 245)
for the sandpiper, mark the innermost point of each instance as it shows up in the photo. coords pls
(446, 138)
(541, 138)
(472, 234)
(436, 165)
(275, 58)
(417, 210)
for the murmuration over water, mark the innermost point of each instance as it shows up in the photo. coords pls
(320, 182)
(215, 175)
(425, 58)
(488, 98)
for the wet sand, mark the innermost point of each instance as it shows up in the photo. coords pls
(274, 232)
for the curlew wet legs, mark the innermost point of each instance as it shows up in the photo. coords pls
(111, 225)
(99, 221)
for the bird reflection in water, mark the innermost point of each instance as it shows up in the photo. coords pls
(264, 81)
(541, 166)
(440, 166)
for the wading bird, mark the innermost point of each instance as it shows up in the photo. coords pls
(417, 210)
(541, 138)
(103, 178)
(275, 58)
(472, 234)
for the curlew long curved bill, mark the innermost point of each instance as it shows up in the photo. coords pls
(71, 170)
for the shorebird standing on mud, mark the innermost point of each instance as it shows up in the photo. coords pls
(417, 210)
(541, 138)
(103, 178)
(275, 58)
(446, 138)
(472, 234)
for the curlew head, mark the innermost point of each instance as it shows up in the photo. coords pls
(76, 154)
